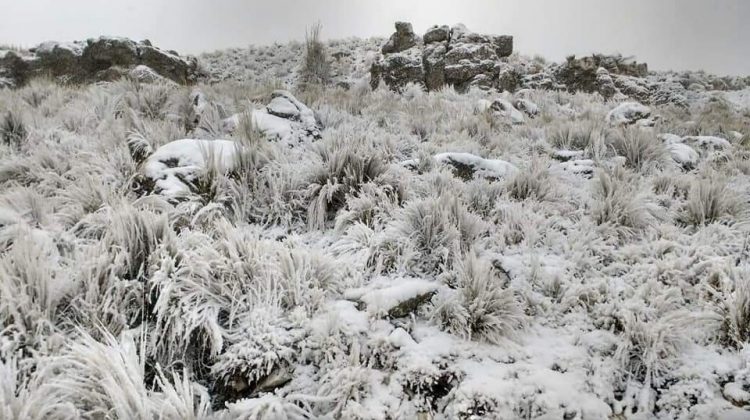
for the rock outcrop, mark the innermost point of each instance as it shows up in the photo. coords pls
(100, 59)
(445, 56)
(403, 39)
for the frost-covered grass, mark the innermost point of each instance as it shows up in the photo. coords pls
(330, 280)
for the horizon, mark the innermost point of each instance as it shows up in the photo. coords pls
(669, 35)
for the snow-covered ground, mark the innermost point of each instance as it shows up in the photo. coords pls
(422, 255)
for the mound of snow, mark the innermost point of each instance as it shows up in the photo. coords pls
(628, 113)
(173, 166)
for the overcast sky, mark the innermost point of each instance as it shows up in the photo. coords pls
(713, 35)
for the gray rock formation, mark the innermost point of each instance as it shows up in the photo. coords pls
(100, 59)
(403, 39)
(454, 56)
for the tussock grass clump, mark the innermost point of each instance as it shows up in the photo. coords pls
(483, 308)
(619, 203)
(433, 233)
(532, 182)
(710, 200)
(642, 150)
(316, 69)
(579, 136)
(13, 130)
(346, 166)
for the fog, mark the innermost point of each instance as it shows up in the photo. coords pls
(668, 34)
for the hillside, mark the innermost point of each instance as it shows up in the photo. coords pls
(524, 239)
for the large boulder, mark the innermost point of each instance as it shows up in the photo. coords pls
(453, 56)
(99, 59)
(403, 39)
(437, 34)
(398, 69)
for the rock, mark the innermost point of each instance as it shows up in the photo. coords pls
(506, 109)
(683, 154)
(396, 298)
(433, 60)
(583, 167)
(628, 113)
(607, 86)
(145, 74)
(172, 168)
(582, 74)
(527, 107)
(398, 69)
(105, 52)
(283, 108)
(99, 59)
(179, 69)
(503, 45)
(279, 377)
(567, 155)
(467, 166)
(735, 394)
(455, 56)
(284, 119)
(508, 78)
(436, 34)
(403, 39)
(708, 143)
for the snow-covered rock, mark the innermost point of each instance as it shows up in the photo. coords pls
(527, 107)
(284, 119)
(146, 74)
(734, 392)
(680, 152)
(504, 108)
(708, 142)
(394, 298)
(584, 167)
(628, 113)
(467, 166)
(173, 166)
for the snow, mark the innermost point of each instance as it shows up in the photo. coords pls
(485, 168)
(185, 158)
(628, 113)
